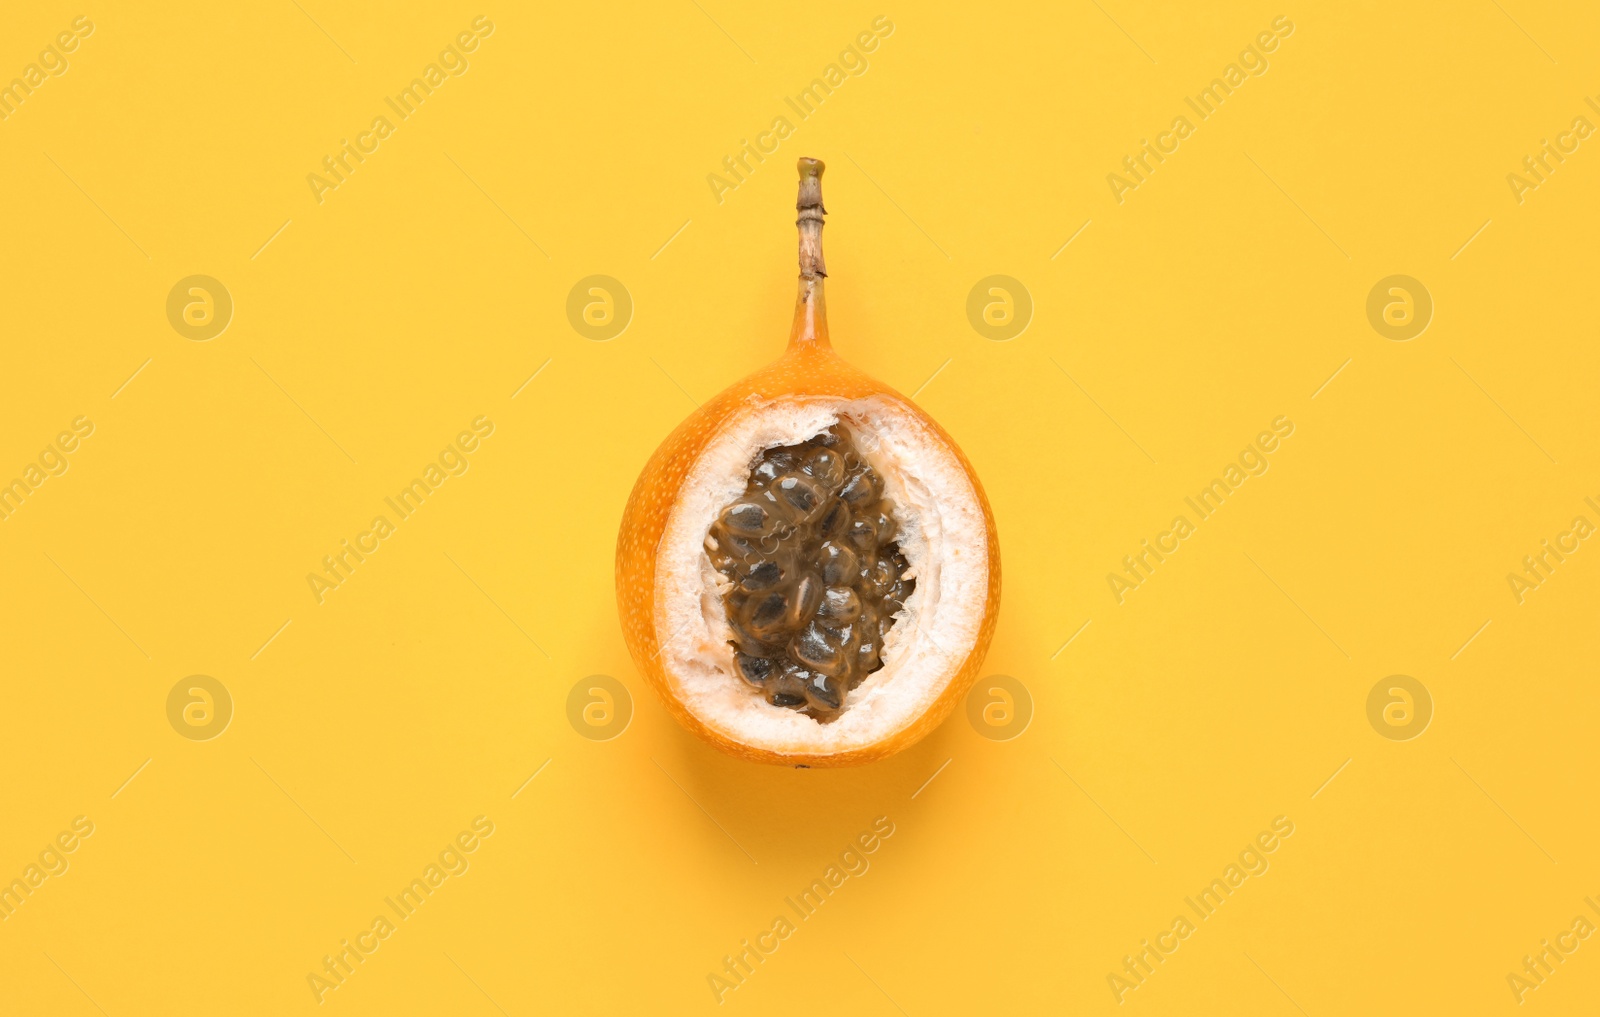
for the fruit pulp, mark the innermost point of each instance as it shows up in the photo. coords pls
(815, 573)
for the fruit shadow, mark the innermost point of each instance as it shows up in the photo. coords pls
(791, 816)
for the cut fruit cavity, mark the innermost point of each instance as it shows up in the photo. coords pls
(807, 570)
(814, 573)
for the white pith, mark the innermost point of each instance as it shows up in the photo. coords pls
(942, 535)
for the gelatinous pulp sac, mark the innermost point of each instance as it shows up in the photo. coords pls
(817, 575)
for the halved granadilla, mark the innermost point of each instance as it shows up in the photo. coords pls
(807, 570)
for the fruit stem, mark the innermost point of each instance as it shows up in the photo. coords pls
(810, 311)
(811, 211)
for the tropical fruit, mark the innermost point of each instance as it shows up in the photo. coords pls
(807, 569)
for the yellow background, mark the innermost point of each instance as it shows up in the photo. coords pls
(427, 689)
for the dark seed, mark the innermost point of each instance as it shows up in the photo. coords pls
(863, 535)
(835, 523)
(755, 670)
(748, 517)
(813, 648)
(761, 576)
(799, 497)
(839, 565)
(840, 604)
(827, 467)
(764, 617)
(825, 692)
(807, 598)
(862, 489)
(737, 546)
(868, 658)
(765, 474)
(887, 527)
(881, 577)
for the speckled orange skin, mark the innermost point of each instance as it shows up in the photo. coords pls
(809, 367)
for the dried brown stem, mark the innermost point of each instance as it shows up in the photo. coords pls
(811, 211)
